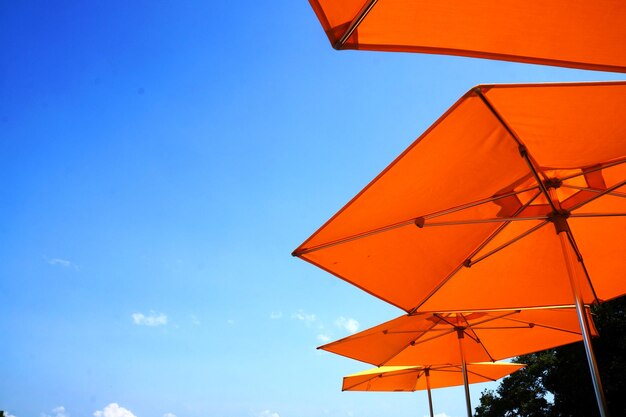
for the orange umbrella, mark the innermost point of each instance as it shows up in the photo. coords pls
(587, 34)
(512, 199)
(417, 378)
(458, 338)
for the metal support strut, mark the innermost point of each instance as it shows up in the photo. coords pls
(561, 226)
(461, 334)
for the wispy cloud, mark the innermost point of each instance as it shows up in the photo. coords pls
(57, 412)
(113, 410)
(348, 324)
(152, 319)
(323, 338)
(305, 317)
(440, 415)
(63, 263)
(275, 315)
(169, 415)
(230, 322)
(195, 320)
(267, 413)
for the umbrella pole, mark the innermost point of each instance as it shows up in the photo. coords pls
(430, 398)
(584, 327)
(461, 334)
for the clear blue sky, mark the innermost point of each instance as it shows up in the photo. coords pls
(159, 161)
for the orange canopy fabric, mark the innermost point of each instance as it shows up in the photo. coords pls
(587, 34)
(413, 378)
(461, 221)
(432, 338)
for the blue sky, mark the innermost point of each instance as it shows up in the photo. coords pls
(159, 161)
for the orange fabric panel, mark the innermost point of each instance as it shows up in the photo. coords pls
(413, 378)
(602, 241)
(464, 156)
(528, 273)
(404, 265)
(580, 34)
(424, 338)
(566, 125)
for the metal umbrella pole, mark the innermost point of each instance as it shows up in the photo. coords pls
(461, 335)
(584, 326)
(559, 219)
(430, 398)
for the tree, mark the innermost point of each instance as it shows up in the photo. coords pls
(557, 382)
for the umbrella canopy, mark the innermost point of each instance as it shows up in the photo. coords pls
(413, 378)
(486, 337)
(463, 219)
(588, 34)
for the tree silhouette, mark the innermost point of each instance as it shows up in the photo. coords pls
(557, 382)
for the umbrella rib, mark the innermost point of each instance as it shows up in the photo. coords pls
(593, 190)
(504, 315)
(444, 319)
(545, 326)
(415, 331)
(572, 241)
(598, 168)
(441, 284)
(478, 249)
(476, 203)
(475, 337)
(356, 384)
(418, 340)
(600, 194)
(457, 368)
(584, 215)
(503, 327)
(367, 7)
(418, 221)
(354, 237)
(481, 376)
(501, 227)
(507, 244)
(418, 376)
(480, 221)
(414, 342)
(522, 148)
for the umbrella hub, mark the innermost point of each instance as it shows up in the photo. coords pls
(553, 183)
(559, 219)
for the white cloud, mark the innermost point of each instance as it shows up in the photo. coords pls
(351, 325)
(7, 414)
(305, 317)
(152, 319)
(113, 410)
(323, 338)
(267, 413)
(440, 415)
(275, 315)
(195, 320)
(64, 263)
(57, 412)
(169, 415)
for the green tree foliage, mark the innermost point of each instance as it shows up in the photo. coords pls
(557, 382)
